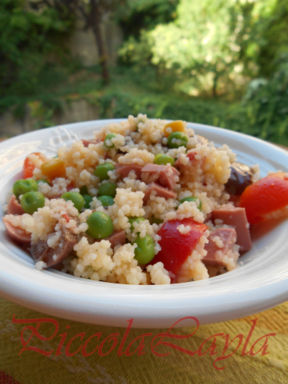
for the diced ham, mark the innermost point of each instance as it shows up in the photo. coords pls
(124, 169)
(166, 175)
(169, 178)
(118, 238)
(220, 248)
(178, 163)
(160, 191)
(191, 155)
(236, 217)
(16, 233)
(154, 168)
(40, 251)
(14, 207)
(86, 143)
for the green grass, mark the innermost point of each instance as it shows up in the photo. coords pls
(133, 91)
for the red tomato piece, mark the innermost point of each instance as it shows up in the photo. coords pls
(191, 155)
(176, 246)
(29, 166)
(66, 217)
(265, 196)
(70, 186)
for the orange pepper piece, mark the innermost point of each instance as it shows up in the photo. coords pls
(174, 126)
(53, 168)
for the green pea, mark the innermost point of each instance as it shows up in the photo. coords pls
(107, 188)
(176, 140)
(76, 198)
(101, 171)
(160, 158)
(31, 201)
(145, 250)
(106, 200)
(100, 225)
(192, 198)
(133, 220)
(107, 141)
(24, 185)
(88, 199)
(84, 190)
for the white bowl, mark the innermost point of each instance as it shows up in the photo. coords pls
(260, 282)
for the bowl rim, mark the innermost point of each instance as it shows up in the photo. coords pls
(150, 306)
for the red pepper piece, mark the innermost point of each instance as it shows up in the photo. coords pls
(29, 166)
(176, 246)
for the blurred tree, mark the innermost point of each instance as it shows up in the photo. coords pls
(91, 12)
(216, 45)
(26, 40)
(198, 44)
(272, 32)
(266, 97)
(144, 14)
(266, 106)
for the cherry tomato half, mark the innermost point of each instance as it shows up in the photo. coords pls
(265, 196)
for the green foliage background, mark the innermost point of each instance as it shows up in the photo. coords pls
(220, 62)
(27, 41)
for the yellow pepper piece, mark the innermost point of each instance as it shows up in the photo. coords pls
(217, 165)
(53, 168)
(174, 126)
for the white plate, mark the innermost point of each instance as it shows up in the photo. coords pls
(260, 282)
